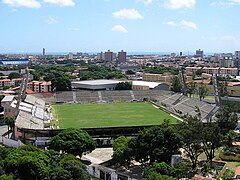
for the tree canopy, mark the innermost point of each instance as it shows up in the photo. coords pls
(30, 163)
(157, 143)
(176, 84)
(73, 141)
(124, 86)
(14, 75)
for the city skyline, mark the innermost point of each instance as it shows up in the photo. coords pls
(135, 25)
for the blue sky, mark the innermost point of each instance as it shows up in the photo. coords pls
(132, 25)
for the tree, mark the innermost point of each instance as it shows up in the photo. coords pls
(161, 168)
(191, 88)
(130, 72)
(226, 119)
(202, 91)
(30, 163)
(211, 140)
(176, 84)
(190, 131)
(122, 151)
(73, 141)
(223, 88)
(228, 174)
(60, 81)
(157, 143)
(10, 121)
(181, 170)
(231, 137)
(199, 72)
(124, 86)
(14, 75)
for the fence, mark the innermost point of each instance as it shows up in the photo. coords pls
(10, 142)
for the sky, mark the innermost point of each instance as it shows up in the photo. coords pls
(131, 25)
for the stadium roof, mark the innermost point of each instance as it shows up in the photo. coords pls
(8, 99)
(151, 85)
(14, 62)
(102, 84)
(97, 82)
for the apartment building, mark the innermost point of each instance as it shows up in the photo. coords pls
(10, 82)
(208, 70)
(40, 86)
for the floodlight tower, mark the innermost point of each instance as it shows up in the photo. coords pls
(22, 91)
(183, 82)
(216, 90)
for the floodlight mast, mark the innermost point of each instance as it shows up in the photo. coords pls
(183, 82)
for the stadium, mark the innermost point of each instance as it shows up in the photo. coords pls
(103, 114)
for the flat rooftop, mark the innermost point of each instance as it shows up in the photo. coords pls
(146, 83)
(8, 99)
(97, 82)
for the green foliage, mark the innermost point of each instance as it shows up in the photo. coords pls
(6, 177)
(157, 143)
(101, 72)
(202, 91)
(31, 163)
(73, 141)
(223, 88)
(190, 131)
(199, 72)
(14, 75)
(130, 72)
(226, 119)
(191, 88)
(228, 174)
(161, 70)
(156, 176)
(36, 75)
(231, 137)
(122, 151)
(211, 140)
(161, 168)
(124, 86)
(60, 81)
(176, 84)
(198, 138)
(181, 170)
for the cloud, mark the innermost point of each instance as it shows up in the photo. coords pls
(183, 24)
(74, 29)
(127, 14)
(61, 2)
(225, 4)
(119, 28)
(50, 20)
(22, 3)
(145, 1)
(180, 4)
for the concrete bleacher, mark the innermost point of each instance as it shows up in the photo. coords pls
(33, 113)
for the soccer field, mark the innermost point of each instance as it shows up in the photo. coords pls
(109, 115)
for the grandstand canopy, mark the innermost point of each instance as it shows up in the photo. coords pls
(102, 84)
(14, 62)
(151, 85)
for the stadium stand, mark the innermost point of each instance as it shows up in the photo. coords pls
(33, 114)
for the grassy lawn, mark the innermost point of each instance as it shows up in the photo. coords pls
(109, 115)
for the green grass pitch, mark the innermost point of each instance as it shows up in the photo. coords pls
(109, 115)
